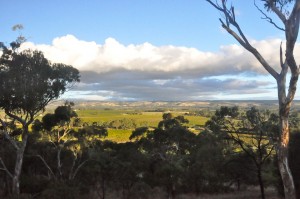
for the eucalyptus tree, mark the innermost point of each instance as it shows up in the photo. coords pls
(167, 148)
(28, 82)
(253, 133)
(288, 13)
(59, 131)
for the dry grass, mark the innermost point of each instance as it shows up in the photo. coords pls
(252, 193)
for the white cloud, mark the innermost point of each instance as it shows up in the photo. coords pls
(113, 70)
(113, 55)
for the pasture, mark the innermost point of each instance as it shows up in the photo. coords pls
(140, 118)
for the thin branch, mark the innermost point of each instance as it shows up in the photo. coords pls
(77, 169)
(251, 49)
(215, 5)
(4, 168)
(66, 132)
(46, 164)
(268, 154)
(279, 13)
(240, 37)
(23, 122)
(269, 19)
(239, 142)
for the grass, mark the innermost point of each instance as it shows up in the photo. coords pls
(141, 118)
(151, 118)
(251, 193)
(102, 116)
(158, 193)
(118, 135)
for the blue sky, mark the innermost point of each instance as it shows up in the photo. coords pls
(148, 49)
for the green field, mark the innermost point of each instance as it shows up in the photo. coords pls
(141, 118)
(118, 135)
(101, 116)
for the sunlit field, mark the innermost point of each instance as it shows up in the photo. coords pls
(141, 118)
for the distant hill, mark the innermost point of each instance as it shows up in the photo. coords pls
(174, 105)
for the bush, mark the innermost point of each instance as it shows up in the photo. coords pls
(60, 190)
(33, 184)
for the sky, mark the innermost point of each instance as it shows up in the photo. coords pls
(149, 50)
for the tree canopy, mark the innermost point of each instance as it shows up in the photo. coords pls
(28, 81)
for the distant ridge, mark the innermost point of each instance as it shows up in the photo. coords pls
(145, 105)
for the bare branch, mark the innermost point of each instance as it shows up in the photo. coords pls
(269, 19)
(77, 169)
(268, 154)
(251, 49)
(240, 37)
(240, 143)
(46, 164)
(4, 168)
(215, 5)
(19, 119)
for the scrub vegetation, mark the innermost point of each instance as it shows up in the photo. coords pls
(226, 152)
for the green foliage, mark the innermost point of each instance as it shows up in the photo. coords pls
(169, 121)
(48, 122)
(225, 111)
(149, 119)
(139, 132)
(61, 116)
(282, 5)
(253, 133)
(118, 135)
(170, 157)
(93, 131)
(65, 113)
(28, 81)
(124, 123)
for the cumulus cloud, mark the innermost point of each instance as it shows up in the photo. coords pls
(112, 55)
(149, 72)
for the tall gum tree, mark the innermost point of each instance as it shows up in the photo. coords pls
(288, 12)
(28, 82)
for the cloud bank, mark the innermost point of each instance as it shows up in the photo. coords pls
(114, 71)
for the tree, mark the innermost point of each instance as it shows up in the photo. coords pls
(290, 19)
(254, 133)
(169, 121)
(59, 131)
(167, 147)
(28, 82)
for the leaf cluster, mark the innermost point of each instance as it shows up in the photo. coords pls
(28, 81)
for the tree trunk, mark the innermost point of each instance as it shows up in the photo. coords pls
(285, 172)
(18, 166)
(103, 188)
(171, 191)
(261, 183)
(59, 162)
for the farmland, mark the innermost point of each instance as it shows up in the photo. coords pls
(145, 113)
(140, 118)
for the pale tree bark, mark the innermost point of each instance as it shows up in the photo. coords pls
(18, 166)
(287, 62)
(19, 147)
